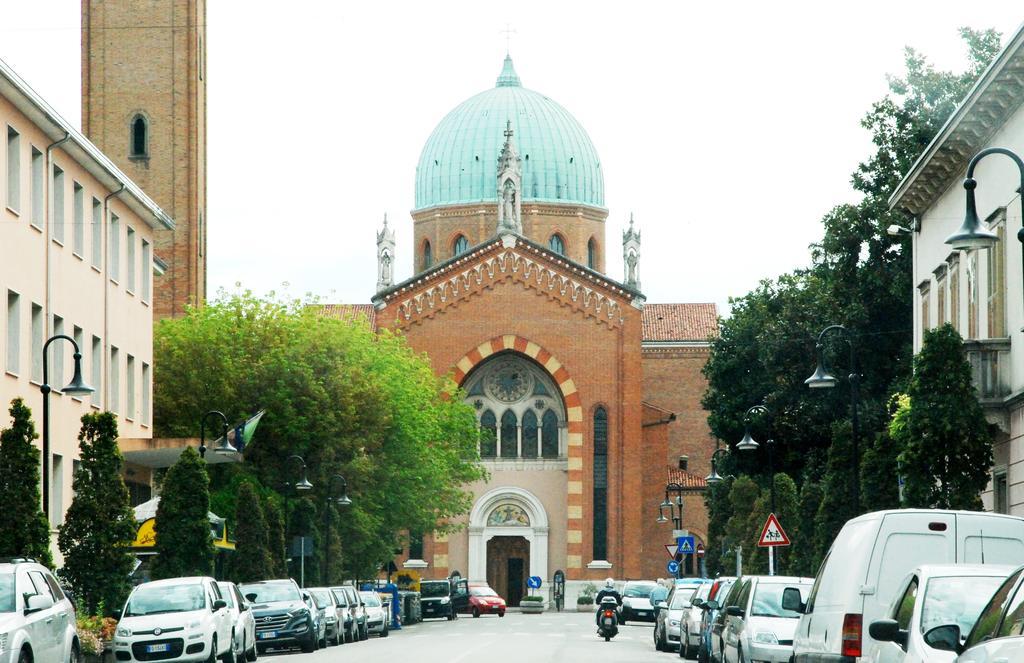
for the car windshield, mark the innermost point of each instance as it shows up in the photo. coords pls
(703, 591)
(370, 599)
(320, 597)
(340, 597)
(158, 599)
(226, 594)
(681, 598)
(482, 591)
(638, 590)
(768, 600)
(271, 592)
(6, 592)
(956, 600)
(433, 589)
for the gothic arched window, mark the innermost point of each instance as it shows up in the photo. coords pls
(509, 435)
(557, 244)
(461, 245)
(549, 435)
(600, 484)
(529, 434)
(592, 254)
(139, 137)
(488, 435)
(428, 255)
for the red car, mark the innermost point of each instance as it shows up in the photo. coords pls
(485, 601)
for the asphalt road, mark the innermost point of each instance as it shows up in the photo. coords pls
(556, 637)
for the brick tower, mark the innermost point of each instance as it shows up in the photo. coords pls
(144, 105)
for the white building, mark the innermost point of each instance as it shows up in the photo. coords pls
(76, 258)
(980, 291)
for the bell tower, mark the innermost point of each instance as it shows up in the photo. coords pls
(144, 105)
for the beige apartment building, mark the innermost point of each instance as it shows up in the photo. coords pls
(76, 258)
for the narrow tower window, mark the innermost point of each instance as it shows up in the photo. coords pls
(600, 484)
(488, 435)
(140, 137)
(461, 245)
(592, 254)
(428, 255)
(557, 244)
(509, 435)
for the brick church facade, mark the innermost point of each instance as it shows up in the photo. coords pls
(587, 396)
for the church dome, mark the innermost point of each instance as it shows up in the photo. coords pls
(459, 161)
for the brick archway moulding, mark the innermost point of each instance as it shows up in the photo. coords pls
(574, 429)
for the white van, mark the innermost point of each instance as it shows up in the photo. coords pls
(869, 558)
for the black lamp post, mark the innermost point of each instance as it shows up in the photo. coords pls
(340, 498)
(77, 387)
(971, 234)
(716, 478)
(823, 379)
(224, 447)
(297, 487)
(748, 443)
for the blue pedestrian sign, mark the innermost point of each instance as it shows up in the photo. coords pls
(685, 545)
(673, 567)
(533, 582)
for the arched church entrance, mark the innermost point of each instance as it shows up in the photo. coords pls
(508, 541)
(508, 560)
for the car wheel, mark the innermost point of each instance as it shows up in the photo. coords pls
(501, 614)
(24, 657)
(384, 633)
(252, 654)
(309, 645)
(213, 651)
(76, 653)
(476, 612)
(229, 655)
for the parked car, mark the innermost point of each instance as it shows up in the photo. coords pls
(758, 628)
(485, 601)
(930, 596)
(636, 601)
(179, 619)
(357, 611)
(689, 627)
(872, 553)
(719, 590)
(346, 615)
(320, 609)
(716, 635)
(377, 616)
(670, 617)
(333, 616)
(35, 614)
(283, 619)
(436, 599)
(243, 633)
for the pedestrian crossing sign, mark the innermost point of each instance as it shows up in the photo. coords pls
(684, 545)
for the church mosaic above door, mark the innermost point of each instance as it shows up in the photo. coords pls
(508, 515)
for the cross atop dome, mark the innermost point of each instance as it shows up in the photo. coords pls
(508, 76)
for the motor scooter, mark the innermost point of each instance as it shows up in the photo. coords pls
(608, 619)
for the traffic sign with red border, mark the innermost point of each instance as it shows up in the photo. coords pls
(772, 533)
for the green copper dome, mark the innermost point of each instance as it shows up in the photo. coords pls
(459, 161)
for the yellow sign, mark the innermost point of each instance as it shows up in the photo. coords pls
(146, 536)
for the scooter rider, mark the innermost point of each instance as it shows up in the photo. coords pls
(608, 590)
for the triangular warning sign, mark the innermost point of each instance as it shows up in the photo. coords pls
(671, 548)
(772, 534)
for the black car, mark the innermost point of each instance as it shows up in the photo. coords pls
(443, 598)
(283, 618)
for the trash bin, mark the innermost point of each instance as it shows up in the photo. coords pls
(410, 607)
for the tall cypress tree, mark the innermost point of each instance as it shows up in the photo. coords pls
(251, 560)
(99, 527)
(275, 538)
(183, 543)
(837, 504)
(24, 531)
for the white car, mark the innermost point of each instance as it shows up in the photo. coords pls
(671, 611)
(930, 596)
(757, 627)
(636, 601)
(377, 617)
(244, 631)
(689, 626)
(37, 620)
(178, 619)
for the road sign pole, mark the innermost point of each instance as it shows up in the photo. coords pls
(771, 560)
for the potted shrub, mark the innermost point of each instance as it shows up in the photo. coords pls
(532, 605)
(94, 637)
(585, 601)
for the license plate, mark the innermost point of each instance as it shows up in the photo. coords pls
(608, 621)
(152, 649)
(267, 635)
(642, 613)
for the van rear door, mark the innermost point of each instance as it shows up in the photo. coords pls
(989, 539)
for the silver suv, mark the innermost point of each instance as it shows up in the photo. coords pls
(37, 620)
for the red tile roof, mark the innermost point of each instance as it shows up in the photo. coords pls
(350, 312)
(686, 479)
(680, 322)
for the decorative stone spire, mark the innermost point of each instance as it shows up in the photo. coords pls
(631, 254)
(385, 257)
(510, 176)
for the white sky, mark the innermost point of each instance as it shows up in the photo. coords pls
(728, 128)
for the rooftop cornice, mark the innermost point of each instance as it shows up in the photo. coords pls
(997, 93)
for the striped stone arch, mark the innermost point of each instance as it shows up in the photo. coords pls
(574, 428)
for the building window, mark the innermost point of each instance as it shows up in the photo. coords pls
(509, 440)
(488, 435)
(147, 271)
(940, 295)
(549, 435)
(57, 357)
(37, 188)
(37, 343)
(925, 294)
(428, 255)
(13, 169)
(1000, 492)
(129, 257)
(58, 205)
(140, 137)
(530, 431)
(592, 254)
(557, 244)
(114, 251)
(57, 491)
(997, 284)
(78, 221)
(461, 245)
(115, 380)
(954, 291)
(146, 386)
(600, 484)
(415, 545)
(129, 388)
(13, 331)
(972, 294)
(96, 370)
(97, 234)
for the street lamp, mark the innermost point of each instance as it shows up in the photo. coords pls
(748, 443)
(298, 487)
(715, 478)
(77, 387)
(971, 234)
(823, 379)
(340, 500)
(224, 447)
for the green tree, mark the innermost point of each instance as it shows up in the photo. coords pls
(99, 525)
(743, 497)
(347, 399)
(251, 560)
(879, 473)
(716, 500)
(946, 441)
(183, 543)
(24, 531)
(275, 537)
(837, 502)
(805, 558)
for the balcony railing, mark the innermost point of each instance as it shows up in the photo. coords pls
(990, 368)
